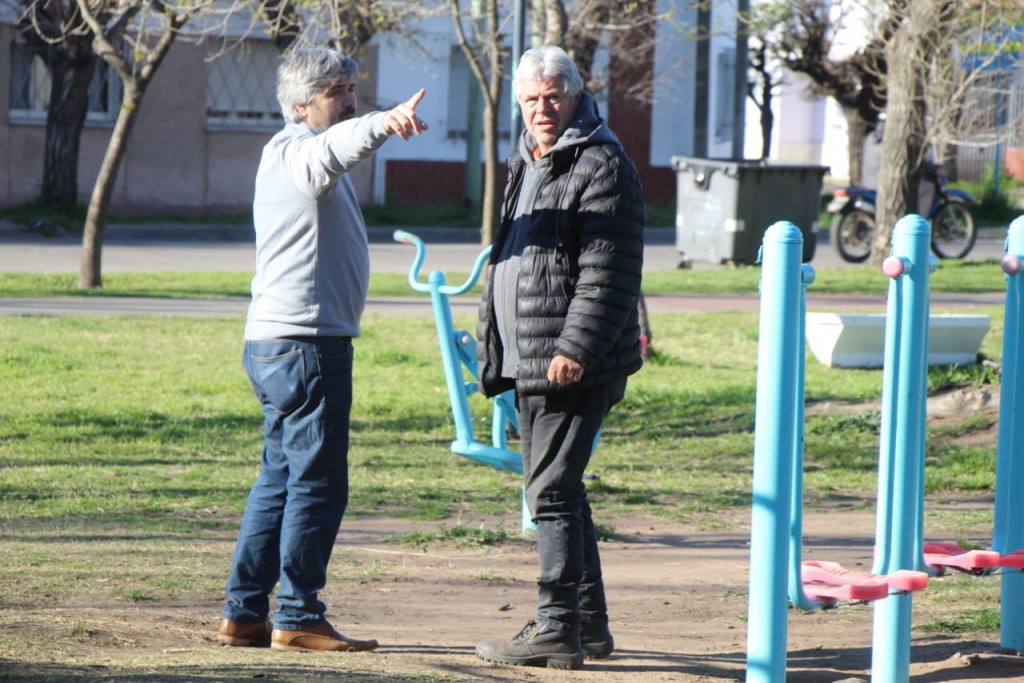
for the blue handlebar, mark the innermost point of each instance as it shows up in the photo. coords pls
(417, 263)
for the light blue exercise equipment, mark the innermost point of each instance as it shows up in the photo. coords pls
(1008, 530)
(903, 560)
(900, 504)
(778, 576)
(458, 355)
(776, 439)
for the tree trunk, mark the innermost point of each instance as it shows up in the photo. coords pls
(582, 40)
(767, 124)
(89, 271)
(489, 208)
(70, 72)
(911, 51)
(759, 90)
(556, 22)
(856, 134)
(490, 205)
(149, 55)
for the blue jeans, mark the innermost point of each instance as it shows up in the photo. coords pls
(558, 433)
(295, 507)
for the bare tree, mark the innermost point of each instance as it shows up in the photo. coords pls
(550, 22)
(912, 49)
(485, 63)
(930, 64)
(581, 27)
(761, 87)
(974, 79)
(54, 30)
(148, 28)
(801, 35)
(583, 36)
(946, 87)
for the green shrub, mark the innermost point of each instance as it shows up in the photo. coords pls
(994, 205)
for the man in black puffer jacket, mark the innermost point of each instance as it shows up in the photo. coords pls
(559, 324)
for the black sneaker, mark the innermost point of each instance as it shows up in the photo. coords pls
(536, 645)
(597, 641)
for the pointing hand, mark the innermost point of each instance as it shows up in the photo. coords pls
(402, 120)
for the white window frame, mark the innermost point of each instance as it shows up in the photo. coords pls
(725, 120)
(104, 89)
(241, 88)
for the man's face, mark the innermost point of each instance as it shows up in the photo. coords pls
(546, 109)
(333, 104)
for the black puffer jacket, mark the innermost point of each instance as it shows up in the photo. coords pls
(580, 273)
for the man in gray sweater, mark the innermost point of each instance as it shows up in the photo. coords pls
(308, 293)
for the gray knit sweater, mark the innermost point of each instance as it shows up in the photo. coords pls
(312, 258)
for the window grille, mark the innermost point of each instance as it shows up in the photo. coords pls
(30, 89)
(241, 89)
(725, 120)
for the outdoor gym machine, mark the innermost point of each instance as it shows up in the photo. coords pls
(902, 556)
(458, 356)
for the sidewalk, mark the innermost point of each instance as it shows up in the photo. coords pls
(194, 248)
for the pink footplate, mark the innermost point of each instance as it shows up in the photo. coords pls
(946, 554)
(829, 580)
(907, 580)
(1014, 560)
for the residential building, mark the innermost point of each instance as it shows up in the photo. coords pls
(205, 117)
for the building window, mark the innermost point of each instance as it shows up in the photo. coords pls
(241, 91)
(725, 120)
(30, 89)
(459, 79)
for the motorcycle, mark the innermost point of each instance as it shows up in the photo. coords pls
(954, 228)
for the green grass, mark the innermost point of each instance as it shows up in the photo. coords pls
(984, 619)
(950, 276)
(40, 212)
(150, 421)
(171, 285)
(142, 433)
(459, 535)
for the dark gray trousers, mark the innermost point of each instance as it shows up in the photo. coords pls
(558, 434)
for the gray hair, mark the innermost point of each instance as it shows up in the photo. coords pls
(307, 71)
(550, 61)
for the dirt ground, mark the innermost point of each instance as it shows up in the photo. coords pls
(677, 598)
(677, 595)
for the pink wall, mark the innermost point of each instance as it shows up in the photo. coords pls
(173, 163)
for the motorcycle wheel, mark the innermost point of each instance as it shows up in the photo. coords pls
(954, 230)
(854, 233)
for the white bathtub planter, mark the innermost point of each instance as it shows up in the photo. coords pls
(857, 340)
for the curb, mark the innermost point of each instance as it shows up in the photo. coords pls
(221, 232)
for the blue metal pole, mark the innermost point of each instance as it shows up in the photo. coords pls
(450, 361)
(796, 508)
(884, 512)
(774, 443)
(1008, 534)
(902, 488)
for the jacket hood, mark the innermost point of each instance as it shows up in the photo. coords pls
(586, 128)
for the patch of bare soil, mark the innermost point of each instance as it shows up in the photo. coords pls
(946, 408)
(677, 595)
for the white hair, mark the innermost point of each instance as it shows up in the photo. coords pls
(550, 61)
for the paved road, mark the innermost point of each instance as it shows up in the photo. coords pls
(230, 248)
(212, 248)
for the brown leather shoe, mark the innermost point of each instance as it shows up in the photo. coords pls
(244, 633)
(321, 638)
